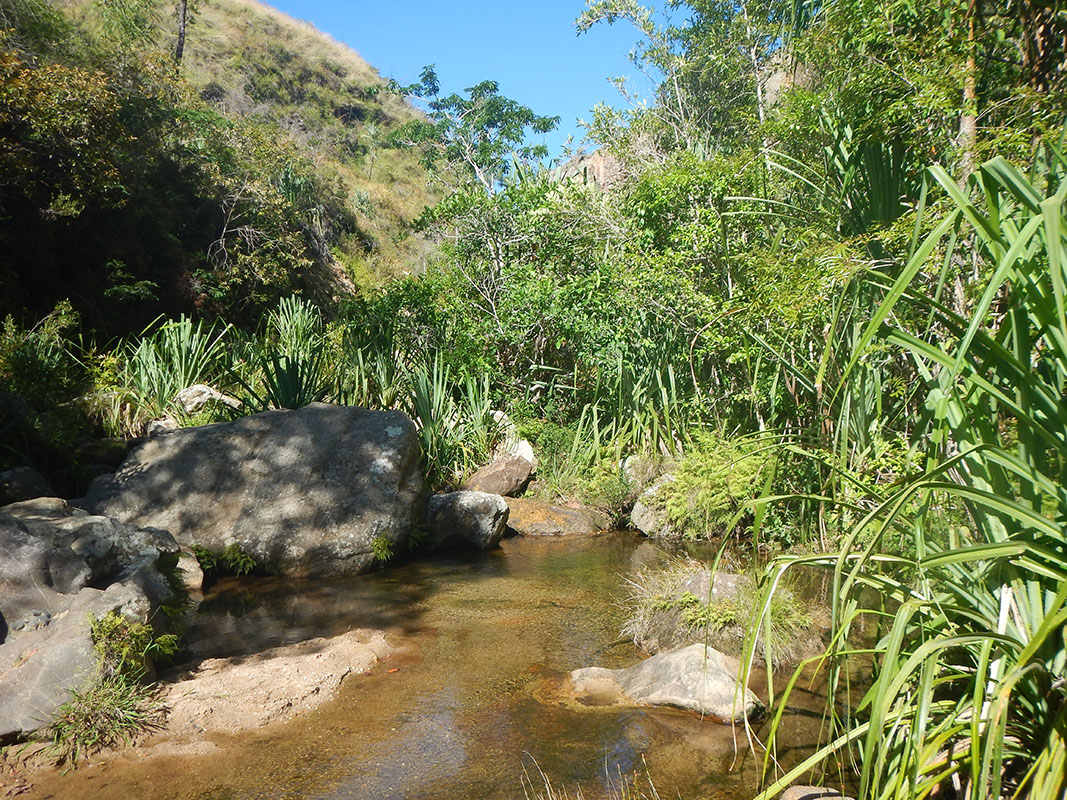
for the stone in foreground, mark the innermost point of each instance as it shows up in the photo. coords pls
(693, 678)
(534, 518)
(465, 520)
(304, 492)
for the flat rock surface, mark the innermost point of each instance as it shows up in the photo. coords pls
(39, 667)
(536, 518)
(304, 492)
(694, 678)
(227, 695)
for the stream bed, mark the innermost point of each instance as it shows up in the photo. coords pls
(471, 703)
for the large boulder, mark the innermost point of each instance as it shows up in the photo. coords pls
(304, 492)
(536, 518)
(112, 551)
(41, 664)
(465, 520)
(695, 678)
(507, 476)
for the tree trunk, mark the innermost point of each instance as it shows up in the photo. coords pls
(182, 12)
(968, 136)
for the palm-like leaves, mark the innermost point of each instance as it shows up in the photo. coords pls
(969, 670)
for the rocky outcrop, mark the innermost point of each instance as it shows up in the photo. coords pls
(694, 678)
(507, 476)
(196, 397)
(665, 627)
(510, 442)
(52, 559)
(465, 520)
(42, 662)
(304, 492)
(22, 483)
(535, 518)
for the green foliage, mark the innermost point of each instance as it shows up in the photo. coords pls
(969, 663)
(714, 483)
(475, 134)
(233, 560)
(114, 706)
(382, 548)
(125, 646)
(237, 560)
(111, 711)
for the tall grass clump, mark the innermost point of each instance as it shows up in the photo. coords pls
(968, 696)
(291, 362)
(161, 363)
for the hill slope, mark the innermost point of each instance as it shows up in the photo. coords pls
(262, 167)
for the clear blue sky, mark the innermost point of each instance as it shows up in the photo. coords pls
(529, 46)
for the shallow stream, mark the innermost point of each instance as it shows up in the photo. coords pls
(473, 700)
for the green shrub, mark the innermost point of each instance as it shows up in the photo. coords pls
(714, 482)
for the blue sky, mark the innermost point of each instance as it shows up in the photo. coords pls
(529, 46)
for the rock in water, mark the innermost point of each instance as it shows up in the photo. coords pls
(304, 492)
(534, 518)
(695, 678)
(465, 520)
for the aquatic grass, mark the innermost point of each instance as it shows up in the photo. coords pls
(619, 786)
(969, 690)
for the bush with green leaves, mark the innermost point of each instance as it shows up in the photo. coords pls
(714, 484)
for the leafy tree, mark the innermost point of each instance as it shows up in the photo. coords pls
(476, 135)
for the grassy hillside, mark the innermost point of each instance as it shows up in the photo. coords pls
(247, 59)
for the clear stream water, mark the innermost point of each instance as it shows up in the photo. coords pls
(477, 698)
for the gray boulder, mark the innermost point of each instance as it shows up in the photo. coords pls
(535, 518)
(35, 573)
(694, 678)
(39, 667)
(465, 520)
(507, 476)
(304, 492)
(648, 515)
(22, 483)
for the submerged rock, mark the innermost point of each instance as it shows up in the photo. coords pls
(535, 518)
(233, 694)
(304, 492)
(465, 520)
(506, 476)
(695, 678)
